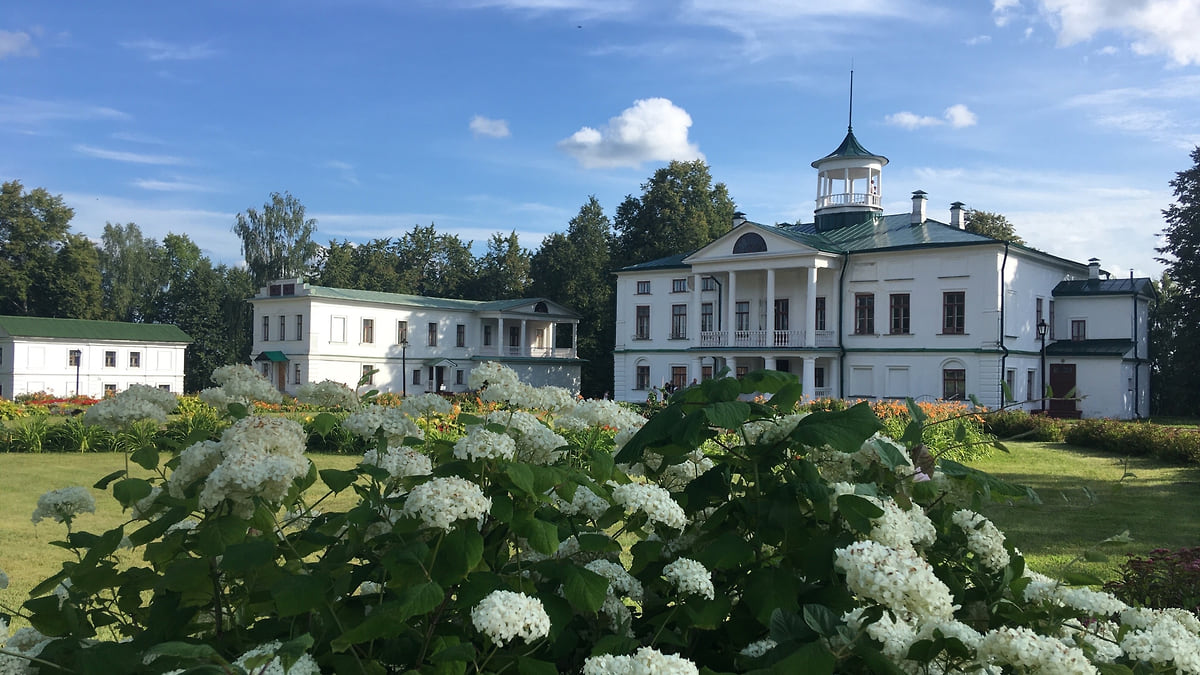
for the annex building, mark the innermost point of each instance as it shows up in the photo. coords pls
(415, 344)
(863, 305)
(68, 357)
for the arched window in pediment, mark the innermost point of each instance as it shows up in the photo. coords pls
(541, 307)
(751, 242)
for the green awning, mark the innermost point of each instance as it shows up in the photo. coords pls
(271, 356)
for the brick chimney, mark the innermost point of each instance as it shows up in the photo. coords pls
(958, 215)
(1094, 268)
(918, 210)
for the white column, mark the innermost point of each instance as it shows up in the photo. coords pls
(501, 339)
(550, 347)
(574, 339)
(810, 310)
(697, 368)
(808, 382)
(731, 308)
(523, 349)
(731, 364)
(693, 326)
(770, 309)
(769, 363)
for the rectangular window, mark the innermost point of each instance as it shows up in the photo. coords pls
(1010, 378)
(678, 322)
(1030, 387)
(266, 369)
(954, 313)
(679, 285)
(708, 284)
(110, 359)
(432, 338)
(282, 327)
(296, 374)
(864, 314)
(276, 290)
(368, 331)
(368, 373)
(954, 384)
(401, 332)
(820, 307)
(1038, 313)
(819, 377)
(643, 288)
(1, 355)
(73, 358)
(266, 329)
(641, 326)
(1050, 320)
(899, 324)
(416, 376)
(135, 359)
(678, 377)
(742, 315)
(539, 338)
(487, 335)
(741, 372)
(706, 372)
(782, 320)
(460, 335)
(299, 326)
(642, 381)
(458, 376)
(164, 387)
(706, 317)
(1078, 330)
(110, 390)
(337, 329)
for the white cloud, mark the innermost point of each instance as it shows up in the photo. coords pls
(483, 126)
(170, 185)
(959, 116)
(1003, 11)
(345, 169)
(653, 129)
(1107, 51)
(28, 111)
(978, 40)
(1166, 27)
(17, 43)
(157, 50)
(1154, 111)
(131, 157)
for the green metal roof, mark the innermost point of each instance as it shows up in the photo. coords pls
(1106, 347)
(1088, 287)
(660, 263)
(850, 147)
(416, 300)
(84, 329)
(275, 357)
(885, 232)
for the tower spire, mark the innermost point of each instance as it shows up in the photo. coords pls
(850, 118)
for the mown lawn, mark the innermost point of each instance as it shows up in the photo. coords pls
(1088, 496)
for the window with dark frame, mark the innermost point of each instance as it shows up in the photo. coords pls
(642, 378)
(299, 326)
(742, 315)
(368, 331)
(266, 329)
(954, 313)
(135, 359)
(368, 372)
(458, 376)
(678, 377)
(487, 335)
(110, 359)
(1037, 319)
(1030, 387)
(708, 284)
(641, 326)
(110, 389)
(899, 311)
(416, 376)
(820, 313)
(706, 317)
(433, 330)
(782, 320)
(401, 332)
(1050, 320)
(819, 377)
(1010, 379)
(1078, 330)
(282, 327)
(741, 372)
(864, 313)
(643, 288)
(296, 374)
(678, 322)
(460, 335)
(954, 384)
(706, 372)
(73, 358)
(679, 285)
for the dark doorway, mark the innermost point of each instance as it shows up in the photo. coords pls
(1062, 384)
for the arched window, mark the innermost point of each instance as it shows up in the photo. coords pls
(751, 242)
(541, 307)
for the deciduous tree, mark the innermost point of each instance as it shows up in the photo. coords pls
(1177, 362)
(992, 225)
(33, 225)
(680, 210)
(131, 272)
(277, 241)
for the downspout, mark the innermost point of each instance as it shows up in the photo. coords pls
(841, 325)
(1137, 361)
(1003, 348)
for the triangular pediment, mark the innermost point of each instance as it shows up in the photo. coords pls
(751, 240)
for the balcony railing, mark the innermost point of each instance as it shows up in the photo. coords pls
(848, 199)
(538, 352)
(765, 338)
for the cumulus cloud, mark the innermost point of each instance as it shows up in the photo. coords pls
(484, 126)
(957, 116)
(130, 157)
(653, 129)
(1003, 11)
(157, 50)
(1152, 27)
(17, 43)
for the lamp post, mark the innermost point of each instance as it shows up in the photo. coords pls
(77, 357)
(1041, 333)
(404, 366)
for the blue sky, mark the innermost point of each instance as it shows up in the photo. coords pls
(482, 116)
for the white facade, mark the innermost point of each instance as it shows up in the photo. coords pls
(68, 357)
(305, 333)
(864, 306)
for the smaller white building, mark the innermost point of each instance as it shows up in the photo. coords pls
(68, 357)
(415, 344)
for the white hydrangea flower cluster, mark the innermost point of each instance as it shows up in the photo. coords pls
(239, 383)
(395, 423)
(1101, 636)
(984, 539)
(506, 615)
(497, 381)
(583, 501)
(305, 665)
(479, 443)
(1163, 636)
(64, 504)
(767, 432)
(1094, 603)
(690, 577)
(653, 500)
(598, 412)
(1027, 650)
(23, 644)
(138, 402)
(195, 462)
(757, 649)
(258, 457)
(420, 405)
(536, 442)
(327, 394)
(646, 661)
(894, 633)
(620, 581)
(676, 476)
(834, 465)
(441, 501)
(898, 579)
(399, 462)
(899, 528)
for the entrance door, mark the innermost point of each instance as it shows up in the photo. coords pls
(439, 382)
(1062, 382)
(281, 375)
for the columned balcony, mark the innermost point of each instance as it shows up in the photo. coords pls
(766, 339)
(848, 199)
(518, 351)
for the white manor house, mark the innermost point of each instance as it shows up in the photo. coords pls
(862, 305)
(411, 343)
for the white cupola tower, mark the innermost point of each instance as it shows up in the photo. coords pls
(849, 181)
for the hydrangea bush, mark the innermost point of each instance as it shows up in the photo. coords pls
(722, 535)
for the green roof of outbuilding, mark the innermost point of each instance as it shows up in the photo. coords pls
(412, 300)
(1086, 287)
(1106, 347)
(850, 147)
(83, 329)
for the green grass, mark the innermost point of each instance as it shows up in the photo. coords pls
(1087, 497)
(25, 551)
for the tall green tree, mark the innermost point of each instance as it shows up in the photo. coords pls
(1177, 367)
(33, 226)
(439, 265)
(992, 225)
(575, 270)
(131, 272)
(680, 210)
(73, 289)
(335, 265)
(277, 242)
(503, 271)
